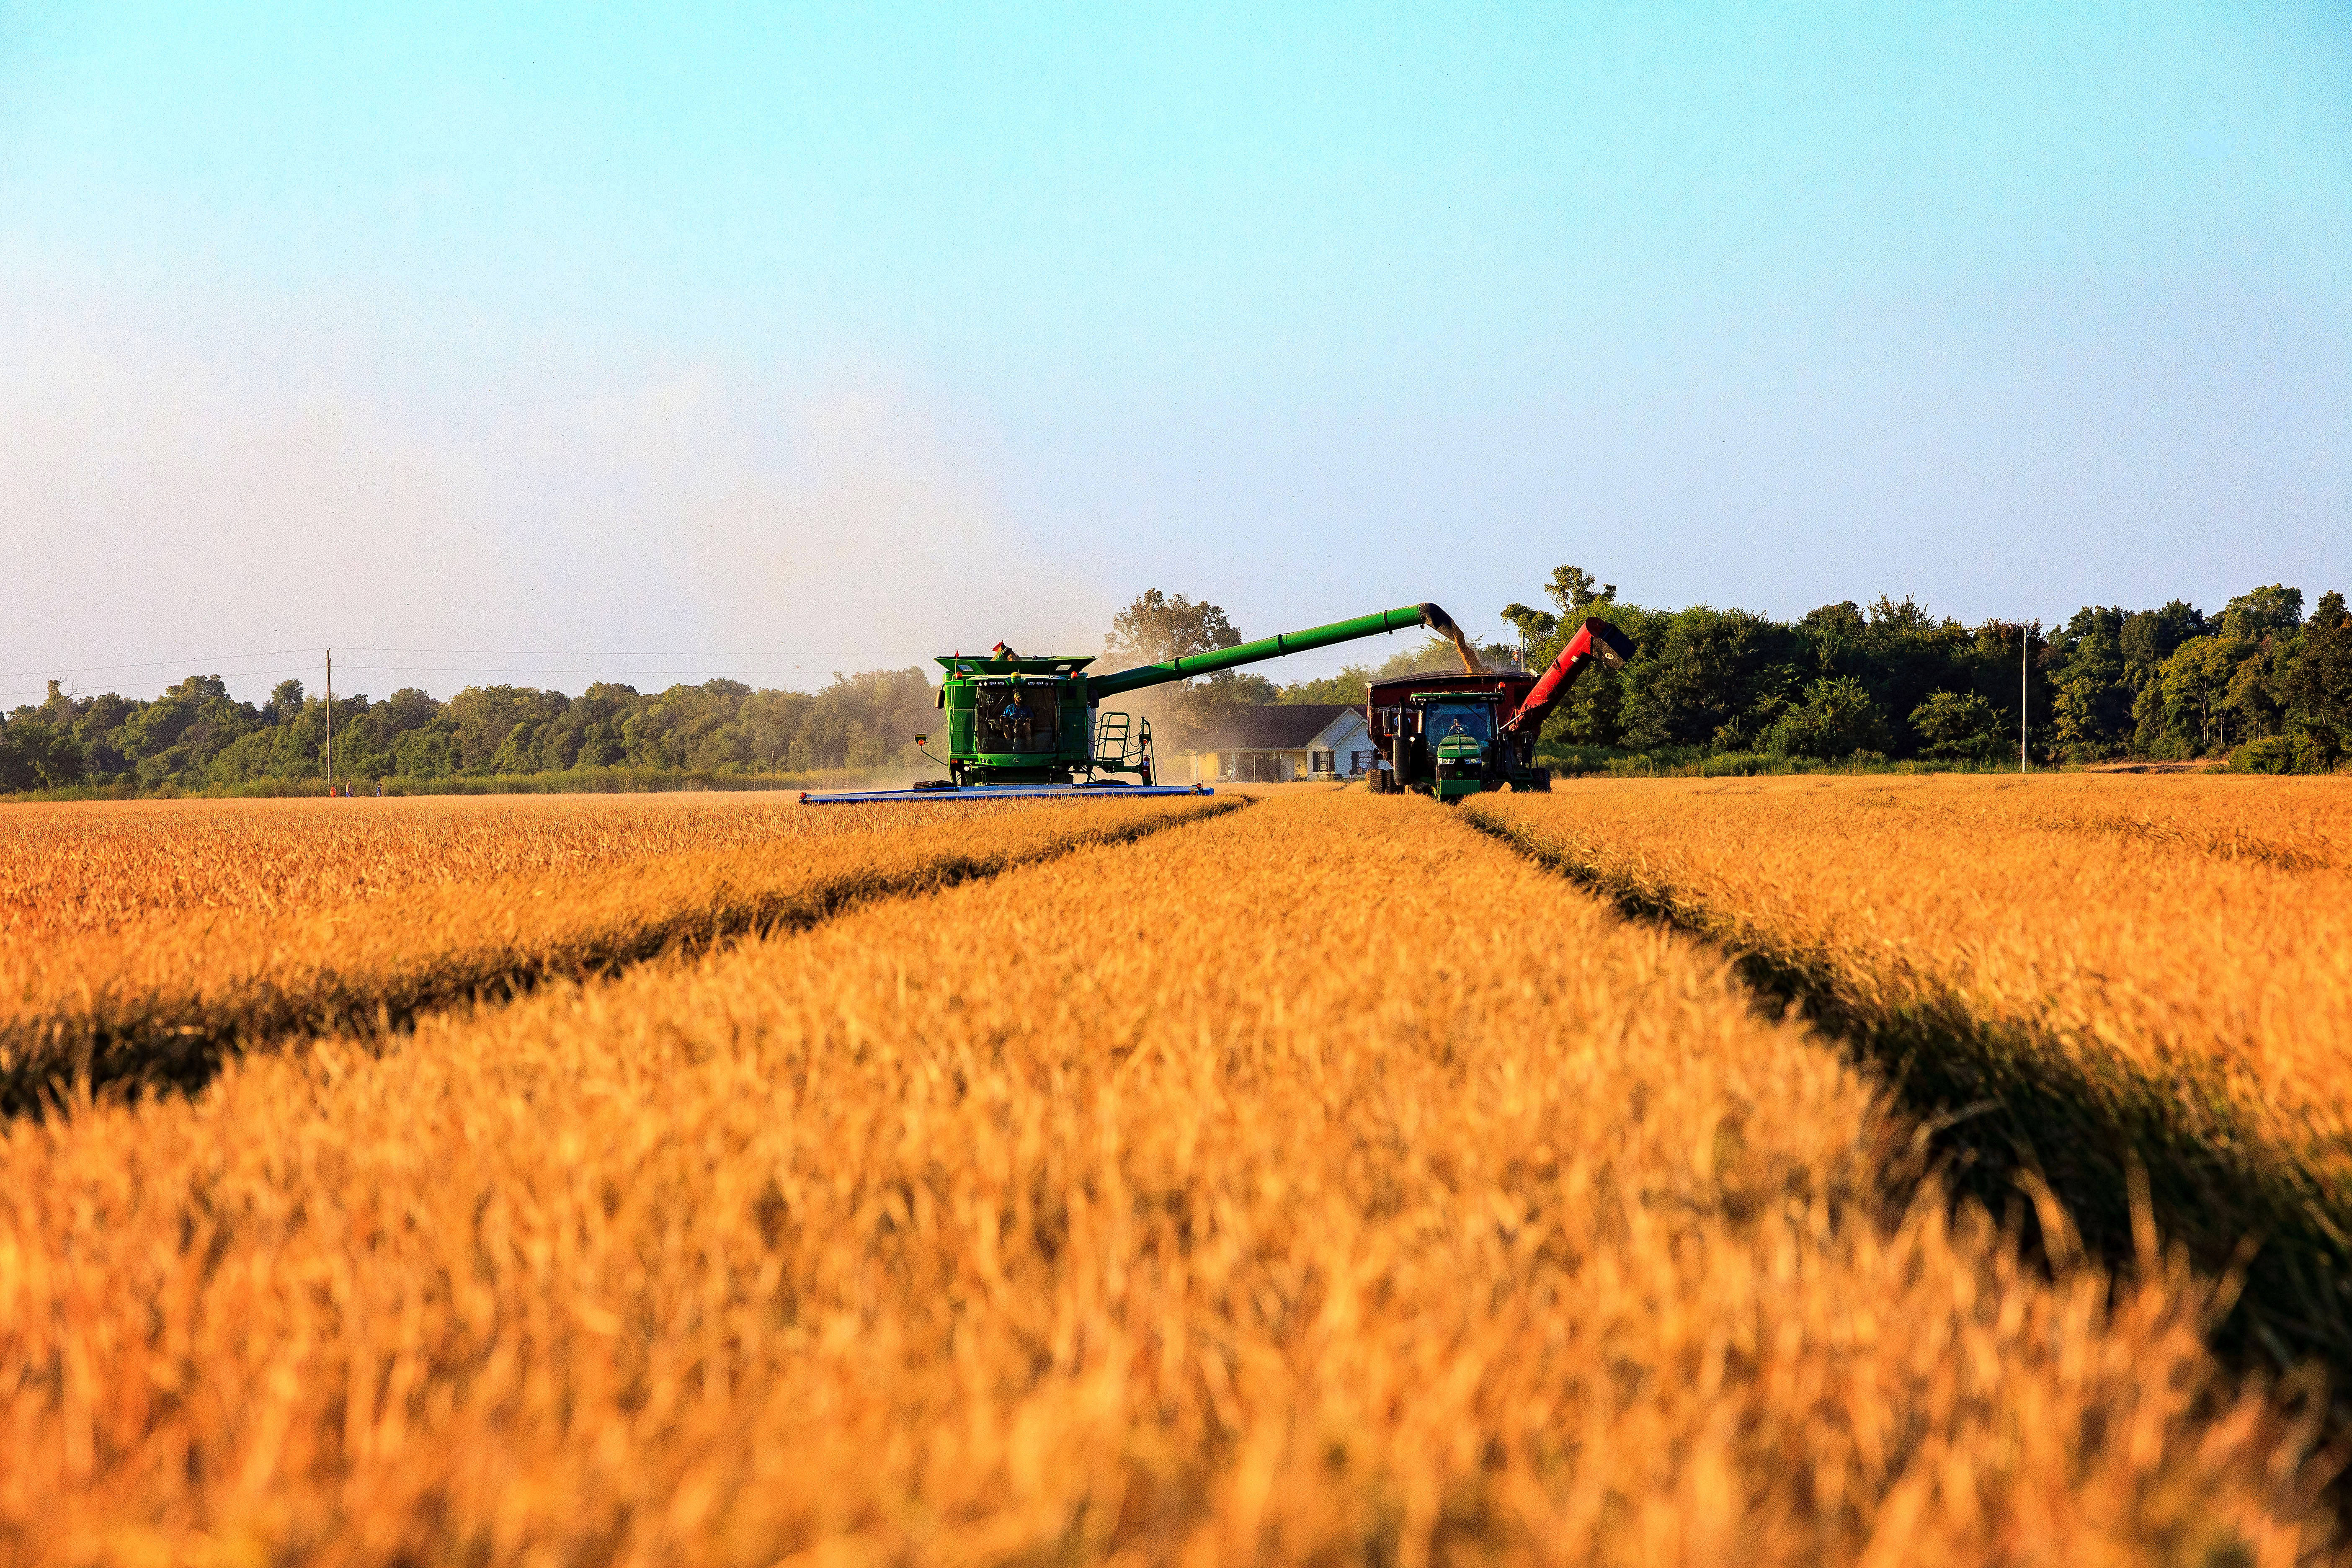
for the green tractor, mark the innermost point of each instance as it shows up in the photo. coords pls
(1451, 736)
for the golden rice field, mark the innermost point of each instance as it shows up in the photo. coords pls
(2163, 962)
(70, 870)
(242, 919)
(1320, 1180)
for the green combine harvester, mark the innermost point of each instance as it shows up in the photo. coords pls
(1020, 726)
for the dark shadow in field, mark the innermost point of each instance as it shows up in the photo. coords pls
(137, 1044)
(2002, 1109)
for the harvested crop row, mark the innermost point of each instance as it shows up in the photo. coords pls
(1321, 1183)
(76, 869)
(163, 1002)
(2107, 968)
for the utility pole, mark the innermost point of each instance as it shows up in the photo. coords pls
(2025, 648)
(330, 721)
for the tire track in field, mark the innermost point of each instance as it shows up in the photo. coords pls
(134, 1039)
(2003, 1108)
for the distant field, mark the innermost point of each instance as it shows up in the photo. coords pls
(1312, 1178)
(69, 869)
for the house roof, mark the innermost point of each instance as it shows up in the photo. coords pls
(1278, 727)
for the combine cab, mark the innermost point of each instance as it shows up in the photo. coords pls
(1455, 735)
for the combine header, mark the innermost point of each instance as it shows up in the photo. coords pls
(1023, 726)
(1455, 735)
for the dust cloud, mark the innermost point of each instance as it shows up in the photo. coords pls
(188, 480)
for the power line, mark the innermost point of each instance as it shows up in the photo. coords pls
(150, 664)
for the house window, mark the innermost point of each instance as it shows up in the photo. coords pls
(1257, 767)
(1362, 761)
(1320, 762)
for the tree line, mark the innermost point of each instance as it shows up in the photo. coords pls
(196, 735)
(2258, 682)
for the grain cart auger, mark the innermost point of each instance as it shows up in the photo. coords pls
(1455, 735)
(1021, 725)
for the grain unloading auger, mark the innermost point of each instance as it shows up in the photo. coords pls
(1021, 725)
(1455, 735)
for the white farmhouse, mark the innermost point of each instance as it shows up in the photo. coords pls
(1287, 740)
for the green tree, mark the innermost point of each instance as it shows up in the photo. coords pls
(2149, 637)
(38, 754)
(1836, 719)
(2263, 612)
(1154, 629)
(2318, 681)
(1906, 652)
(590, 731)
(1352, 685)
(2195, 687)
(175, 736)
(2093, 691)
(1838, 635)
(1157, 628)
(410, 708)
(425, 753)
(484, 719)
(98, 729)
(769, 720)
(256, 754)
(1954, 726)
(2254, 708)
(1709, 677)
(1574, 592)
(679, 728)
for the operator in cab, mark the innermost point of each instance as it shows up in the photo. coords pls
(1016, 720)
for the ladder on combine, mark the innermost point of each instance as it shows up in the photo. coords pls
(1118, 746)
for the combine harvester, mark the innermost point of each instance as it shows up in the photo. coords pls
(1020, 727)
(1453, 735)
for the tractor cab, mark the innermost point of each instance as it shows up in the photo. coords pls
(1456, 733)
(1444, 718)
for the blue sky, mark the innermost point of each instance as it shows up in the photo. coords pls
(789, 339)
